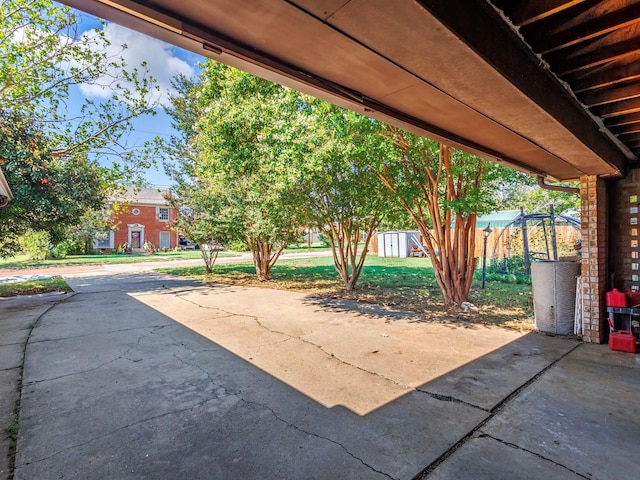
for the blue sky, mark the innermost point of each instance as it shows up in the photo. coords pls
(163, 61)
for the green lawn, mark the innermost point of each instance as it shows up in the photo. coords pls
(22, 261)
(405, 283)
(55, 284)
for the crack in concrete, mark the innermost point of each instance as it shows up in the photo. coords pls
(92, 334)
(219, 387)
(177, 291)
(11, 344)
(518, 447)
(81, 372)
(447, 398)
(492, 414)
(303, 340)
(193, 302)
(10, 368)
(313, 434)
(198, 367)
(239, 396)
(124, 427)
(188, 347)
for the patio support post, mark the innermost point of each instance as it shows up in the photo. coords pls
(594, 221)
(525, 243)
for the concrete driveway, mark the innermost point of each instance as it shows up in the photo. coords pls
(149, 376)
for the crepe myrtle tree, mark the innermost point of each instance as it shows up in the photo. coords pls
(347, 202)
(198, 219)
(244, 142)
(443, 190)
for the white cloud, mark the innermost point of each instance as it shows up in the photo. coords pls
(160, 59)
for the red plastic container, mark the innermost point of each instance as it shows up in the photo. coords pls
(633, 297)
(616, 299)
(622, 341)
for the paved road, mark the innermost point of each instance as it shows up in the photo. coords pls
(148, 376)
(68, 271)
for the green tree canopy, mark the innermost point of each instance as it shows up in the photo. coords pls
(527, 194)
(243, 174)
(50, 193)
(346, 200)
(50, 150)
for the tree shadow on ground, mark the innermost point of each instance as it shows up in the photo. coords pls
(453, 316)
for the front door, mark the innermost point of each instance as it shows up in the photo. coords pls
(135, 239)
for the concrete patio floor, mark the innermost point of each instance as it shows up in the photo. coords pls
(150, 376)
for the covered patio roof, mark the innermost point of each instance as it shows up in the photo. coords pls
(551, 87)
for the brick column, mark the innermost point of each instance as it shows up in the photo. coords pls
(593, 197)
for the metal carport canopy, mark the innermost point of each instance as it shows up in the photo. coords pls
(452, 70)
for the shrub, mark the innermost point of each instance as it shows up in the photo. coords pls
(70, 247)
(238, 246)
(517, 277)
(56, 253)
(149, 247)
(513, 264)
(36, 244)
(324, 240)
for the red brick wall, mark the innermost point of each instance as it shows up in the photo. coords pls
(147, 217)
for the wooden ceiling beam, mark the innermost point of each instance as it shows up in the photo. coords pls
(618, 108)
(623, 120)
(545, 42)
(628, 137)
(514, 60)
(526, 12)
(564, 64)
(601, 96)
(604, 77)
(626, 129)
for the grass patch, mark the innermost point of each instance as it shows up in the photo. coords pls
(403, 283)
(54, 284)
(11, 431)
(23, 261)
(303, 247)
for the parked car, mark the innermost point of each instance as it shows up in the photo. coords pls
(213, 246)
(186, 244)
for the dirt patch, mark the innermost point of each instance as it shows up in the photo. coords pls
(426, 301)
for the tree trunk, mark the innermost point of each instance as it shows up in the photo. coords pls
(209, 257)
(344, 241)
(265, 255)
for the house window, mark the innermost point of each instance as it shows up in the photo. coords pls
(136, 211)
(104, 240)
(163, 214)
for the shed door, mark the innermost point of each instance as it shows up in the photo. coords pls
(391, 244)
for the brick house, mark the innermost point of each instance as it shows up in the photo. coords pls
(143, 215)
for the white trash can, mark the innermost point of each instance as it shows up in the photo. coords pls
(554, 295)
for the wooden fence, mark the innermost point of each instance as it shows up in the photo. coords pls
(507, 242)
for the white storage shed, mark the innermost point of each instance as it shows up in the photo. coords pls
(398, 243)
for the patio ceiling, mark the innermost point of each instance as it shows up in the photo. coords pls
(551, 87)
